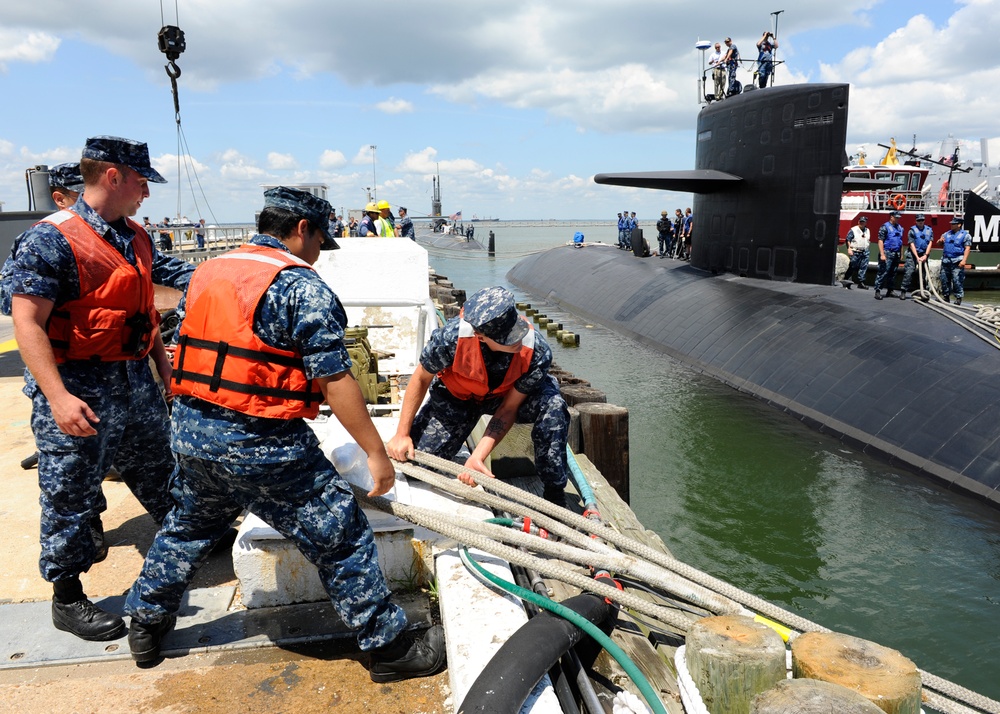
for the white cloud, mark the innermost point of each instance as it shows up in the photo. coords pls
(925, 79)
(281, 162)
(30, 47)
(235, 166)
(365, 155)
(392, 105)
(426, 162)
(331, 159)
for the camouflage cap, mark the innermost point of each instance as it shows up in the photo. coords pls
(492, 312)
(957, 219)
(895, 214)
(66, 176)
(115, 150)
(314, 209)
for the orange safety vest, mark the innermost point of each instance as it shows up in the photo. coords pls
(114, 317)
(220, 359)
(466, 377)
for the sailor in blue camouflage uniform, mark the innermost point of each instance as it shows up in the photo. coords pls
(66, 183)
(232, 459)
(954, 256)
(890, 243)
(920, 239)
(510, 360)
(92, 414)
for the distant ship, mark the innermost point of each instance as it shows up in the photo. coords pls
(756, 307)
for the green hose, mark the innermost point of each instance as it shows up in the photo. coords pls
(584, 624)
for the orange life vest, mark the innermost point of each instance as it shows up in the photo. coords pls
(466, 377)
(220, 359)
(114, 317)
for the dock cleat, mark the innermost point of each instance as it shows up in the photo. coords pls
(409, 656)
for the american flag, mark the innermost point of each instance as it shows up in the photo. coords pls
(456, 216)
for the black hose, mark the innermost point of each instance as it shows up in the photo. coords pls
(508, 679)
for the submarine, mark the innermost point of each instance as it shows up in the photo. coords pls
(758, 308)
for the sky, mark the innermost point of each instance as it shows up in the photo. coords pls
(516, 104)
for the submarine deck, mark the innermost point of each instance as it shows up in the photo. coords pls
(890, 378)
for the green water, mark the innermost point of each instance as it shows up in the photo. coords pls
(752, 496)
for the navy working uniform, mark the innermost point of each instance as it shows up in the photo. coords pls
(920, 238)
(133, 432)
(858, 240)
(664, 234)
(446, 419)
(890, 238)
(957, 243)
(232, 459)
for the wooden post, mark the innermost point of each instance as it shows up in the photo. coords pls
(604, 438)
(883, 676)
(811, 696)
(732, 659)
(491, 247)
(579, 393)
(573, 439)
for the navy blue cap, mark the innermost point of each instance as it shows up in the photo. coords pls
(895, 214)
(314, 209)
(957, 219)
(863, 219)
(492, 312)
(66, 176)
(920, 217)
(115, 150)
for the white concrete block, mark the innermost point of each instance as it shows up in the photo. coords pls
(272, 571)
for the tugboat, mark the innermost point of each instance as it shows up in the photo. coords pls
(875, 190)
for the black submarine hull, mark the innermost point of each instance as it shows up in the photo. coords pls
(890, 378)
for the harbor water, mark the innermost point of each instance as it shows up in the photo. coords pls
(751, 495)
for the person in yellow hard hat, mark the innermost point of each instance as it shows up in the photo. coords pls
(389, 220)
(368, 225)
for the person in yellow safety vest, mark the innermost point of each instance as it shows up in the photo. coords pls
(388, 228)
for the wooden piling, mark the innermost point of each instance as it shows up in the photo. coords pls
(883, 676)
(580, 393)
(604, 438)
(811, 696)
(732, 659)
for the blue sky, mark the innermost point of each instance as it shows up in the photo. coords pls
(517, 103)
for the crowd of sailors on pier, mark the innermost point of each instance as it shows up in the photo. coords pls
(673, 235)
(956, 244)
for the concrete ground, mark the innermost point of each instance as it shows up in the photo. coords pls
(259, 678)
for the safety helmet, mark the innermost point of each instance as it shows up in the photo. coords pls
(371, 208)
(383, 204)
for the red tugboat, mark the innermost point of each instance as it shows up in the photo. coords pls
(903, 187)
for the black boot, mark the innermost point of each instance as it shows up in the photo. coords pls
(408, 656)
(144, 639)
(878, 295)
(97, 534)
(862, 286)
(72, 612)
(958, 301)
(555, 494)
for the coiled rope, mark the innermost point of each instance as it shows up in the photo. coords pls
(942, 694)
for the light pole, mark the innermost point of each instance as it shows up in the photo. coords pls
(774, 53)
(702, 45)
(374, 182)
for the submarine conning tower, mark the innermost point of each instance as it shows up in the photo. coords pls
(768, 183)
(787, 145)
